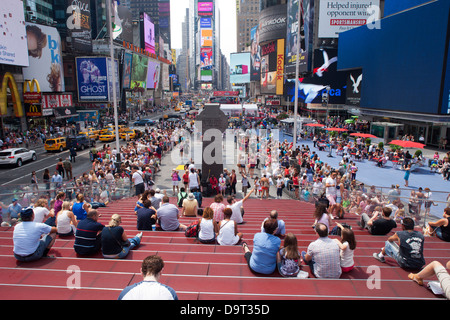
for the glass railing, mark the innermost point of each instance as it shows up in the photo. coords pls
(421, 209)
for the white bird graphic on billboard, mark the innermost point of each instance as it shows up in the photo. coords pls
(310, 91)
(356, 83)
(326, 63)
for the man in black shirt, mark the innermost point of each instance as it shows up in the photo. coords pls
(146, 216)
(406, 247)
(378, 225)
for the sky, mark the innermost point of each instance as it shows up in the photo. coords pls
(228, 24)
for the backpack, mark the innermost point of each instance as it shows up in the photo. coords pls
(193, 229)
(181, 198)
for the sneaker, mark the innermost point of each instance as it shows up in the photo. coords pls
(139, 235)
(381, 259)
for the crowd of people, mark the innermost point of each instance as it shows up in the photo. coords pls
(335, 191)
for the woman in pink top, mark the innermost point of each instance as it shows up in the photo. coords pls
(218, 207)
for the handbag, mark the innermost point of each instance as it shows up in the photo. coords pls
(120, 243)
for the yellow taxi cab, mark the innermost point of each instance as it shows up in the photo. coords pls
(131, 133)
(113, 127)
(93, 130)
(107, 136)
(90, 134)
(55, 144)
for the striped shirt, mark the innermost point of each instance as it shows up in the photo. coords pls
(148, 290)
(86, 235)
(326, 256)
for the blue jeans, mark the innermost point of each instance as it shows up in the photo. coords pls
(392, 250)
(134, 242)
(40, 251)
(310, 263)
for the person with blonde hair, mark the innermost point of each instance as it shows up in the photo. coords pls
(66, 222)
(115, 243)
(80, 207)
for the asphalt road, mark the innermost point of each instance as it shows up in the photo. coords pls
(11, 175)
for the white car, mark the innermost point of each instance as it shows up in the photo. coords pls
(17, 156)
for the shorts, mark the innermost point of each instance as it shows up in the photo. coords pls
(175, 183)
(331, 199)
(444, 279)
(347, 269)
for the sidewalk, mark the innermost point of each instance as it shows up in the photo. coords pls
(163, 179)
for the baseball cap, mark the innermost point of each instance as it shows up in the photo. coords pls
(26, 212)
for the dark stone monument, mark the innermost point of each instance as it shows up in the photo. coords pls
(213, 123)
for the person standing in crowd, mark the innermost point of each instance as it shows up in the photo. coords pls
(330, 188)
(407, 168)
(138, 180)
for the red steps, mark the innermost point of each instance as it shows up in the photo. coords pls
(218, 272)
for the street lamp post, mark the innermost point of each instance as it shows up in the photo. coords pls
(297, 67)
(110, 20)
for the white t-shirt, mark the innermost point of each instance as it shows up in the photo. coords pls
(331, 191)
(40, 213)
(137, 176)
(236, 208)
(148, 290)
(26, 236)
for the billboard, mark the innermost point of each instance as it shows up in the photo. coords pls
(280, 67)
(255, 55)
(13, 38)
(126, 70)
(92, 77)
(80, 25)
(45, 58)
(205, 23)
(139, 67)
(112, 69)
(269, 67)
(273, 23)
(205, 8)
(336, 17)
(240, 67)
(126, 17)
(206, 38)
(147, 33)
(325, 74)
(407, 73)
(153, 74)
(206, 58)
(165, 79)
(353, 93)
(205, 75)
(293, 25)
